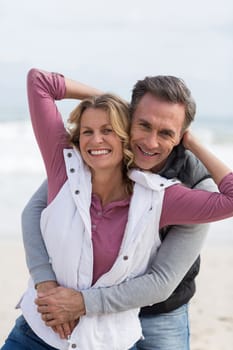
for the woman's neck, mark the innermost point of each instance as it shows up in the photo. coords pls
(109, 186)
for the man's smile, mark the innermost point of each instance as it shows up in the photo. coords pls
(146, 153)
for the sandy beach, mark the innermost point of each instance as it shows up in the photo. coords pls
(211, 310)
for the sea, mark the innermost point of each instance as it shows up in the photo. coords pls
(22, 169)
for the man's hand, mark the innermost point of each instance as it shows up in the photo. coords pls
(189, 140)
(65, 329)
(44, 287)
(60, 305)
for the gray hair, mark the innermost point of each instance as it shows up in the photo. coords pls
(167, 88)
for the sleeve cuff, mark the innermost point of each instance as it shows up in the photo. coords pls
(42, 273)
(93, 301)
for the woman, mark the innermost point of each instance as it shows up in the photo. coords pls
(101, 184)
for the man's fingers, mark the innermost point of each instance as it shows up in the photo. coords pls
(52, 320)
(53, 323)
(48, 293)
(45, 301)
(64, 330)
(73, 324)
(43, 287)
(41, 301)
(60, 331)
(44, 309)
(47, 317)
(67, 329)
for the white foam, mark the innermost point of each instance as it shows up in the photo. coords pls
(22, 171)
(18, 149)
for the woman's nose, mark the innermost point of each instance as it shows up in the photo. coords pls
(98, 137)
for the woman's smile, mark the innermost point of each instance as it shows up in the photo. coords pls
(100, 146)
(99, 152)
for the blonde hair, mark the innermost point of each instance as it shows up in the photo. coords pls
(118, 112)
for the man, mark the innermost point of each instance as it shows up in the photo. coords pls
(161, 108)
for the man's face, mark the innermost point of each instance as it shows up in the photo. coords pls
(156, 128)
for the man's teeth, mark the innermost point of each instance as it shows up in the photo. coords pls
(147, 153)
(99, 152)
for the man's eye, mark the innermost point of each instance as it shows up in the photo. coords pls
(166, 134)
(145, 126)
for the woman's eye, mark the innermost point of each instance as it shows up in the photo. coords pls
(86, 132)
(107, 131)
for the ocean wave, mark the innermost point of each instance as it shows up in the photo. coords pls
(19, 151)
(22, 169)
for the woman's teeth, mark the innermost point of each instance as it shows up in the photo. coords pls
(99, 152)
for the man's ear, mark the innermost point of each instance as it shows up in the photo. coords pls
(182, 134)
(183, 131)
(180, 140)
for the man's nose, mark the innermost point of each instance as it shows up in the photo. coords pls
(152, 141)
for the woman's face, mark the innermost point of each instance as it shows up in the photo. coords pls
(100, 147)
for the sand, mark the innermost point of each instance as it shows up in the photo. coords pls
(211, 310)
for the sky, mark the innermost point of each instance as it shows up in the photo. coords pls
(111, 44)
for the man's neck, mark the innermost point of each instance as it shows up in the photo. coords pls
(159, 168)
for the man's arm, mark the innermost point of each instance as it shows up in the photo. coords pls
(37, 258)
(176, 255)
